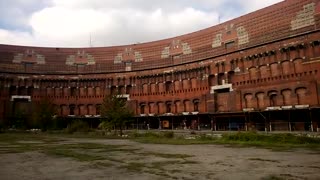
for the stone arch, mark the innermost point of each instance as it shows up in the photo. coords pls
(72, 109)
(74, 91)
(151, 106)
(286, 94)
(212, 80)
(286, 66)
(57, 91)
(113, 90)
(169, 107)
(273, 98)
(168, 86)
(128, 89)
(83, 91)
(177, 85)
(230, 77)
(97, 91)
(161, 108)
(196, 105)
(274, 68)
(186, 105)
(66, 91)
(260, 100)
(122, 89)
(177, 106)
(145, 88)
(161, 87)
(91, 91)
(64, 110)
(49, 91)
(98, 109)
(297, 63)
(194, 83)
(221, 78)
(185, 84)
(83, 109)
(91, 109)
(301, 95)
(248, 100)
(264, 71)
(142, 108)
(252, 72)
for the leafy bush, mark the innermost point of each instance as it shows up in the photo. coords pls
(78, 126)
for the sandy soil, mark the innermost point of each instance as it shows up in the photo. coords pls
(204, 162)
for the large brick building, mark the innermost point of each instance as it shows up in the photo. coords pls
(258, 71)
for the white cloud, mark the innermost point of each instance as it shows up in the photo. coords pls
(72, 22)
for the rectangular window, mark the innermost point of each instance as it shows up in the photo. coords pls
(229, 44)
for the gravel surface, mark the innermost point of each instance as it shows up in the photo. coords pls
(151, 161)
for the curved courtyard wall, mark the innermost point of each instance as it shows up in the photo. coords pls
(266, 61)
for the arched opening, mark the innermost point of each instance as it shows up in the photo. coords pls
(169, 86)
(98, 109)
(168, 107)
(286, 94)
(129, 89)
(212, 80)
(196, 105)
(230, 77)
(273, 98)
(72, 109)
(248, 100)
(221, 79)
(142, 108)
(122, 90)
(301, 95)
(74, 91)
(260, 99)
(113, 90)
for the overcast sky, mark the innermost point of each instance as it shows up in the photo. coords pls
(71, 23)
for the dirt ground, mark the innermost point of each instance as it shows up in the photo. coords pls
(126, 159)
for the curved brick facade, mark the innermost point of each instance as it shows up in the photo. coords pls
(258, 71)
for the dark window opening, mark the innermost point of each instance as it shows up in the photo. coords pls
(73, 91)
(224, 90)
(229, 44)
(196, 106)
(98, 107)
(168, 108)
(142, 109)
(72, 108)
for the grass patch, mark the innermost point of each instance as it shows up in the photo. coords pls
(279, 142)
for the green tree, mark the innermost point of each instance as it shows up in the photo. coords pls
(43, 113)
(115, 113)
